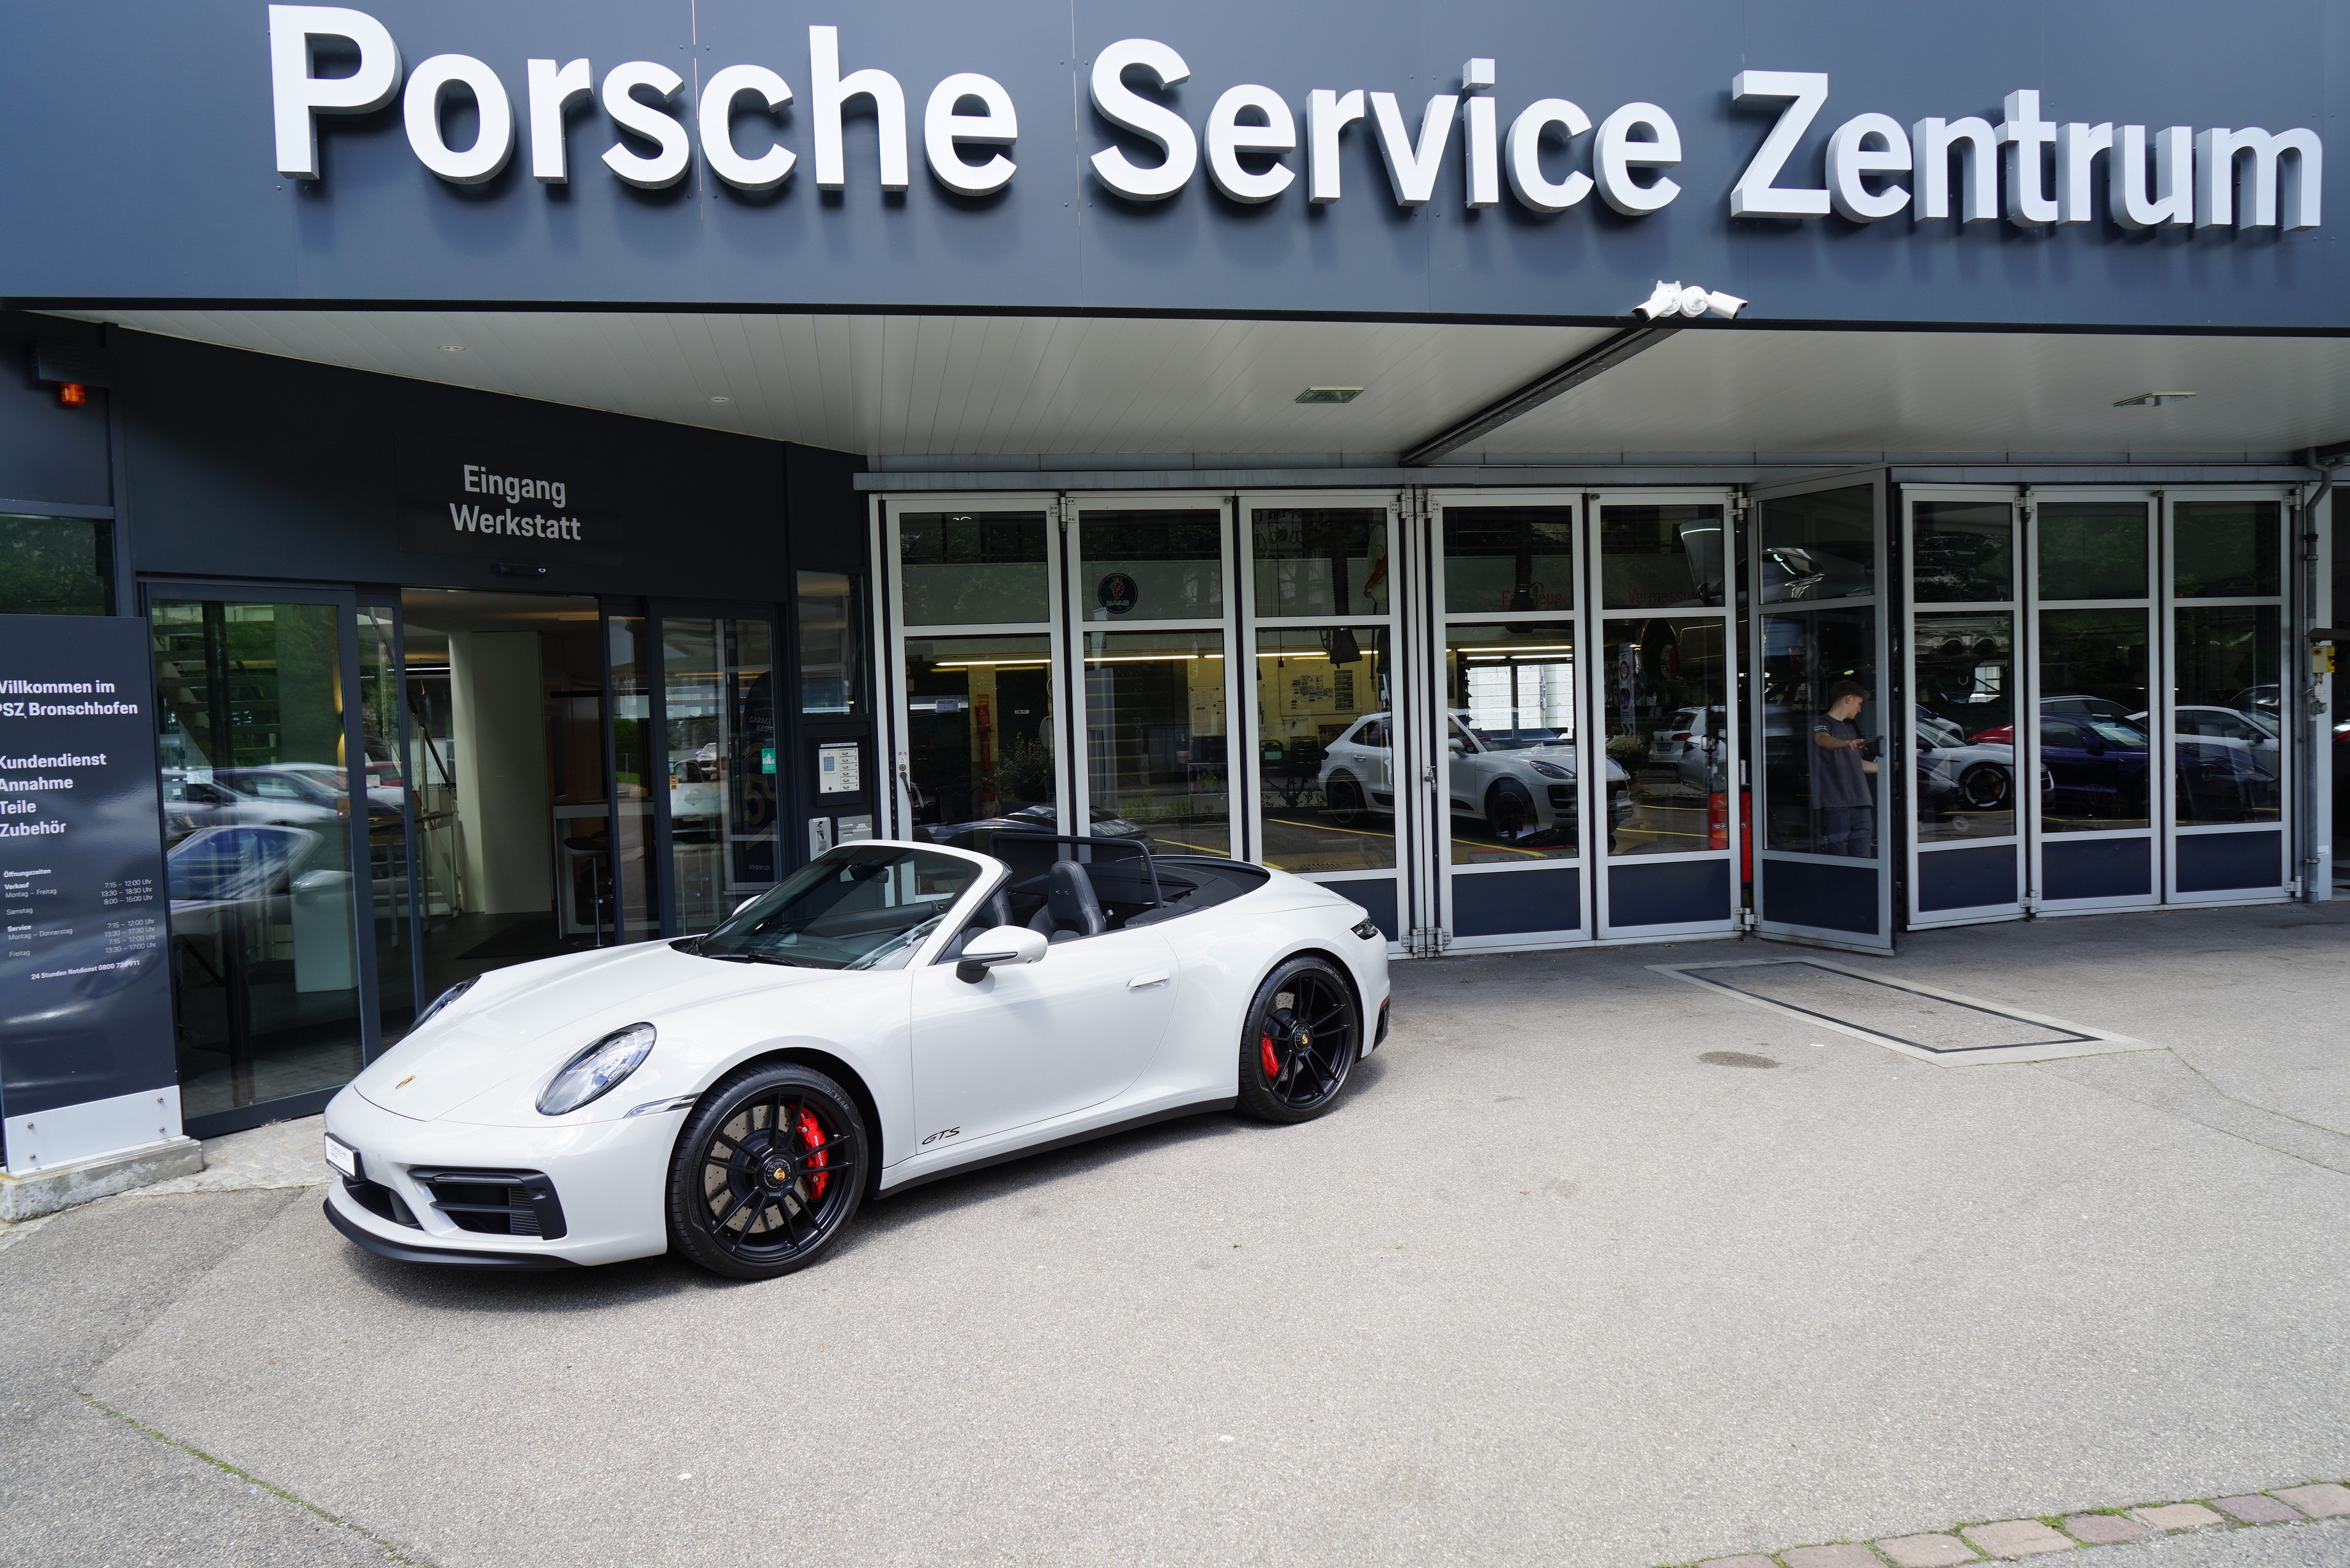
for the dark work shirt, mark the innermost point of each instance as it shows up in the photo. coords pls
(1837, 776)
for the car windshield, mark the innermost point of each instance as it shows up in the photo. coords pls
(861, 906)
(2117, 732)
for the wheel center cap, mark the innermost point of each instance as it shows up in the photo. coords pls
(778, 1173)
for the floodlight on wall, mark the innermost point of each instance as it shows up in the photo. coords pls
(1329, 394)
(1672, 299)
(2152, 400)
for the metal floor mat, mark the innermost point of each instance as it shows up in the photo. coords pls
(1916, 1018)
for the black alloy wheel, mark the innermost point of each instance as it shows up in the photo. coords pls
(1303, 1036)
(1508, 811)
(1344, 796)
(768, 1170)
(1986, 786)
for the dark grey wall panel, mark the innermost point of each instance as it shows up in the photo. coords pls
(1378, 900)
(1502, 905)
(2096, 869)
(1827, 898)
(1966, 878)
(1678, 892)
(48, 453)
(2225, 862)
(167, 186)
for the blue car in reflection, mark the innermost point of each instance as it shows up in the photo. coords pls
(2095, 767)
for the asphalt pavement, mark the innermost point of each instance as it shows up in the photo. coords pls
(1546, 1287)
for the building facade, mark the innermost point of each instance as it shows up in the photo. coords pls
(1824, 472)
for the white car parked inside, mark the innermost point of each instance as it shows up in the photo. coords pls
(889, 1013)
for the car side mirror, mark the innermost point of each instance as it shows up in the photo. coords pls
(1002, 945)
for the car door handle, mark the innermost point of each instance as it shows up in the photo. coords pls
(1144, 981)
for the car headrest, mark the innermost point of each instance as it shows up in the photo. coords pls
(1070, 897)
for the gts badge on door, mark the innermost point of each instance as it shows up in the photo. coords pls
(942, 1137)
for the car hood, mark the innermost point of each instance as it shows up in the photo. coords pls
(526, 1021)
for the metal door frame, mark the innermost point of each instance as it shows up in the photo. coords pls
(2158, 679)
(1415, 927)
(1442, 618)
(2288, 673)
(1890, 696)
(1729, 498)
(2024, 648)
(656, 611)
(1073, 507)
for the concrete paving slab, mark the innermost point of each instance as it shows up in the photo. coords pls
(1933, 1551)
(2177, 1516)
(2104, 1528)
(2326, 1500)
(2324, 1545)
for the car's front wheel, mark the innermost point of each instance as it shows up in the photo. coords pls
(1303, 1035)
(768, 1171)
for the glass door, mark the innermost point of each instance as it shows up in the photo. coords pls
(974, 622)
(718, 723)
(1824, 860)
(2227, 746)
(1661, 674)
(1319, 608)
(268, 818)
(1968, 810)
(2096, 722)
(1508, 725)
(1149, 595)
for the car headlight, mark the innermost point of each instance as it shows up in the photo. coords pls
(1549, 770)
(441, 1000)
(590, 1074)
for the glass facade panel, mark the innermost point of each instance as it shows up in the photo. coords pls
(718, 706)
(1819, 546)
(1327, 748)
(257, 807)
(1658, 557)
(1151, 565)
(2226, 739)
(1509, 559)
(973, 568)
(387, 789)
(1965, 785)
(831, 646)
(2094, 667)
(1513, 767)
(1156, 764)
(628, 657)
(56, 566)
(1962, 551)
(978, 729)
(1820, 732)
(2224, 549)
(1322, 561)
(1665, 707)
(2092, 549)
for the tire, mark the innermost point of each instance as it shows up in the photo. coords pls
(1302, 1039)
(1986, 786)
(1344, 798)
(750, 1205)
(1508, 811)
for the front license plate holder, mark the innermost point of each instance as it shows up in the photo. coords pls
(343, 1157)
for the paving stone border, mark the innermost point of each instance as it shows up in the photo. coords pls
(2010, 1539)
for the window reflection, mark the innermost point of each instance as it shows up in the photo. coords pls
(1151, 565)
(1325, 561)
(1660, 556)
(1509, 559)
(2093, 748)
(56, 566)
(1155, 745)
(1667, 724)
(2092, 549)
(1821, 733)
(1819, 546)
(979, 726)
(2226, 739)
(1965, 724)
(719, 706)
(1962, 551)
(1513, 764)
(1327, 761)
(2224, 549)
(971, 568)
(830, 651)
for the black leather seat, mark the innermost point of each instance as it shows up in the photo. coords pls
(1071, 909)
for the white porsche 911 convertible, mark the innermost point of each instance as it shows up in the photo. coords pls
(889, 1013)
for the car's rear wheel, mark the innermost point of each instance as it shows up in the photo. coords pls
(1303, 1035)
(1344, 796)
(1508, 810)
(768, 1171)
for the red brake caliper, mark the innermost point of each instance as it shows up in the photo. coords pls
(1271, 1062)
(812, 1135)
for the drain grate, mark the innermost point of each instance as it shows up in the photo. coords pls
(1911, 1017)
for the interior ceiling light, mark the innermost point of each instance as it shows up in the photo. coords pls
(2152, 400)
(1329, 394)
(720, 397)
(452, 348)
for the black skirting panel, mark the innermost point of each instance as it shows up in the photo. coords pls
(1377, 897)
(2096, 869)
(2225, 862)
(1823, 897)
(1676, 893)
(1508, 902)
(1966, 878)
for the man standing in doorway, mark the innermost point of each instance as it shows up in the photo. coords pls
(1841, 793)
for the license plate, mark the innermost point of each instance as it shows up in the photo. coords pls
(342, 1157)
